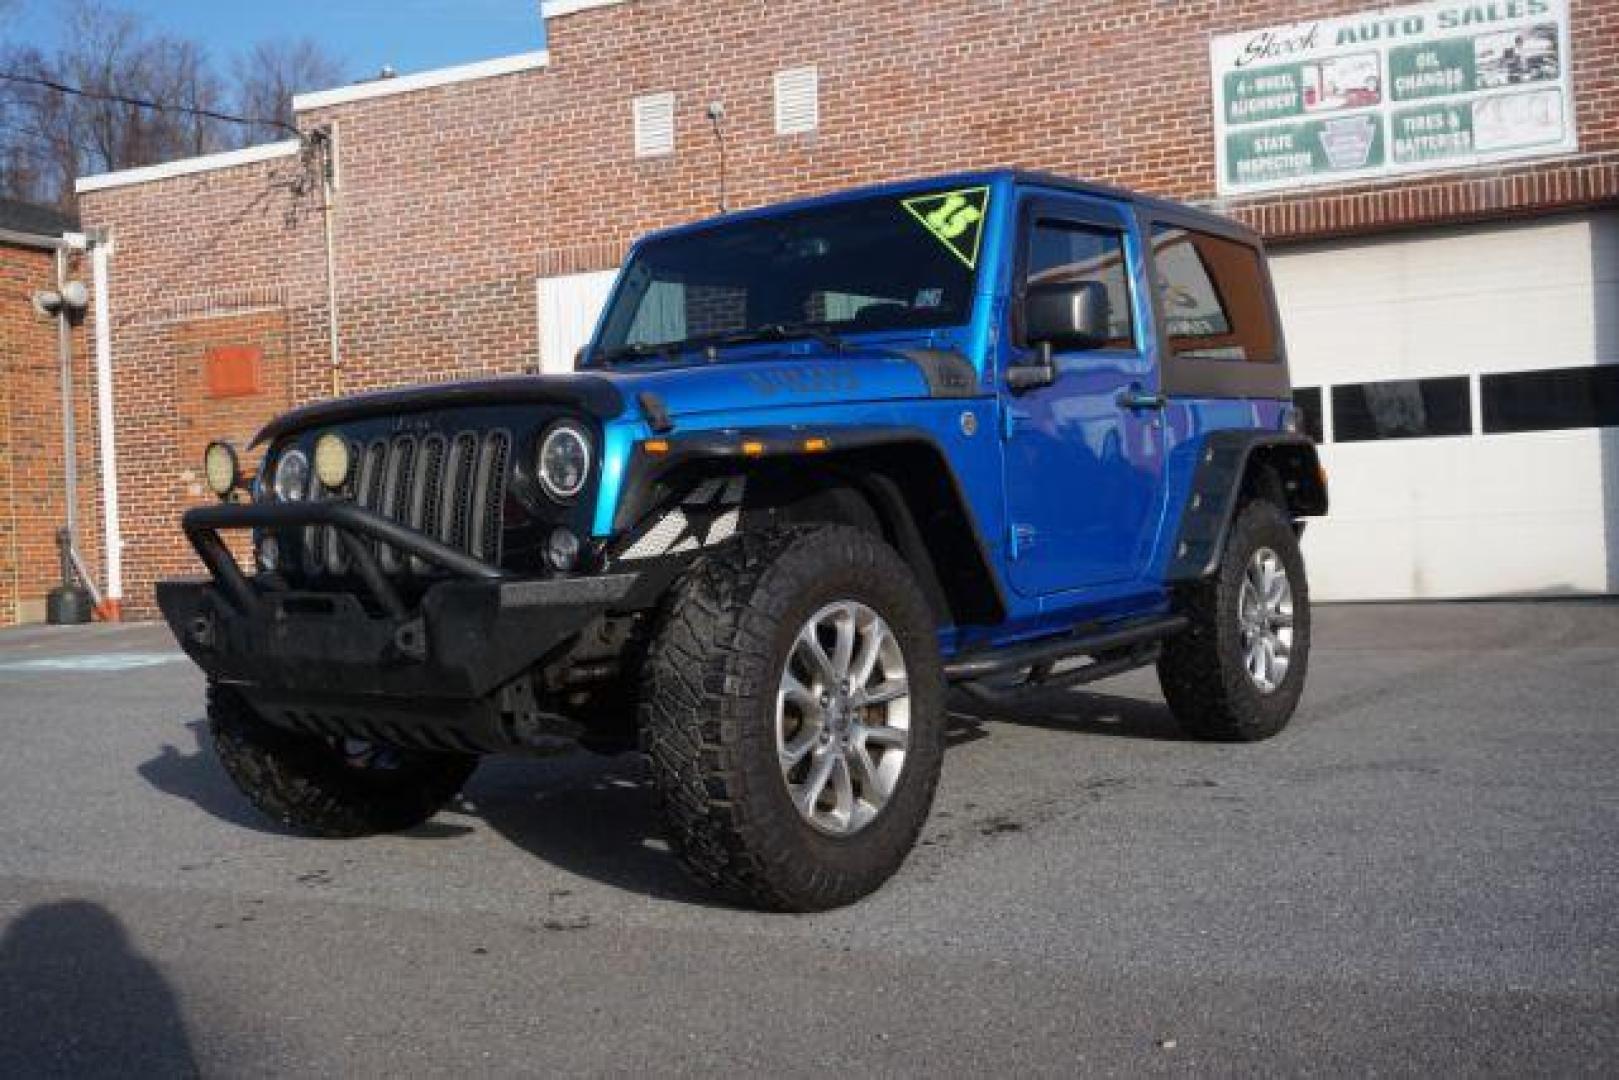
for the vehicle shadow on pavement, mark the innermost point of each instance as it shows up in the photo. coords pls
(596, 817)
(194, 774)
(76, 999)
(591, 816)
(1082, 712)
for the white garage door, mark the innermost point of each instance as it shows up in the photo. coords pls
(1467, 382)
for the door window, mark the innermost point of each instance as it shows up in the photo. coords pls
(1066, 253)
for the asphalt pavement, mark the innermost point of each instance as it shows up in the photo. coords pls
(1420, 876)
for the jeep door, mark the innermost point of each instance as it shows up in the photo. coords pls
(1084, 452)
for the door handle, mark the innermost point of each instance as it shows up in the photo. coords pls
(1134, 398)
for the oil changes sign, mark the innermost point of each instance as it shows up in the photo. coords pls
(1392, 92)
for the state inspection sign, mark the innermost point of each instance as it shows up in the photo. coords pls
(1414, 89)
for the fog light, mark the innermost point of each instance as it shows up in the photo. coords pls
(221, 468)
(562, 551)
(269, 555)
(332, 461)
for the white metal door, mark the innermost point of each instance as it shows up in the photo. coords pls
(1481, 511)
(568, 309)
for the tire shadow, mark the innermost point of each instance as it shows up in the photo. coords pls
(594, 817)
(192, 772)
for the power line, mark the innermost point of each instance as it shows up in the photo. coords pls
(141, 103)
(59, 141)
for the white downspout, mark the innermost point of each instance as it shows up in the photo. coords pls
(112, 535)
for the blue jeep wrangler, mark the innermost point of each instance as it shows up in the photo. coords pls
(820, 463)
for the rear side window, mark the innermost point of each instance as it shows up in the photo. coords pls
(1212, 293)
(1065, 253)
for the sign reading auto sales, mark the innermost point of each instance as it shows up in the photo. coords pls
(1391, 92)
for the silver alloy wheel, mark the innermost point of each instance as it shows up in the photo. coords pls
(1265, 616)
(843, 718)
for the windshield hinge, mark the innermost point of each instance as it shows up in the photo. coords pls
(1019, 539)
(1010, 419)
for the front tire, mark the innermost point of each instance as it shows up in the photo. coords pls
(1237, 672)
(311, 785)
(792, 711)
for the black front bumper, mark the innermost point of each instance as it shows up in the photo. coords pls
(311, 659)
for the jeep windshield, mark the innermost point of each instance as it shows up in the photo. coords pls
(889, 263)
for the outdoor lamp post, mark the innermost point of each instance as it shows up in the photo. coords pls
(71, 601)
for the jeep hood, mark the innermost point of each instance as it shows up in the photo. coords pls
(739, 386)
(685, 390)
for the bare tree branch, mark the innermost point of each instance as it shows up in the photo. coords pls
(270, 73)
(116, 95)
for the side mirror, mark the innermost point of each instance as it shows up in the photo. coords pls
(1067, 315)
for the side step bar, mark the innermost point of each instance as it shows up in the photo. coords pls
(983, 663)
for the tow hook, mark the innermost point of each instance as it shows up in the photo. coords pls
(201, 631)
(411, 640)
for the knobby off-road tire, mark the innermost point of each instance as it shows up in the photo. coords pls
(709, 716)
(1205, 671)
(306, 783)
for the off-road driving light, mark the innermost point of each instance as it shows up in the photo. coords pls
(220, 466)
(562, 550)
(564, 464)
(332, 461)
(291, 483)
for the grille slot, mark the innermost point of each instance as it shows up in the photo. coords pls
(451, 487)
(426, 491)
(396, 493)
(489, 494)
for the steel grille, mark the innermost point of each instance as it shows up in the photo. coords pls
(451, 487)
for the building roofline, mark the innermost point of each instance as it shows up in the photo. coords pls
(422, 80)
(556, 9)
(187, 166)
(29, 224)
(35, 241)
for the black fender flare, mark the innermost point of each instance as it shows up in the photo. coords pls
(919, 501)
(1228, 462)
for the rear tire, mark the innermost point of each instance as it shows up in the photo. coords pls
(308, 784)
(1221, 675)
(773, 770)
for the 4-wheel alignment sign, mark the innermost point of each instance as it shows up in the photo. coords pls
(956, 218)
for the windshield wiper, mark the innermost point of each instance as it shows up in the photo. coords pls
(782, 332)
(671, 350)
(668, 350)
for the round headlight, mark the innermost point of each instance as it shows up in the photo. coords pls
(332, 460)
(564, 464)
(291, 481)
(221, 468)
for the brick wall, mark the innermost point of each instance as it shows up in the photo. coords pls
(32, 499)
(454, 199)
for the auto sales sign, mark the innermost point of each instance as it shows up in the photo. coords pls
(1393, 92)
